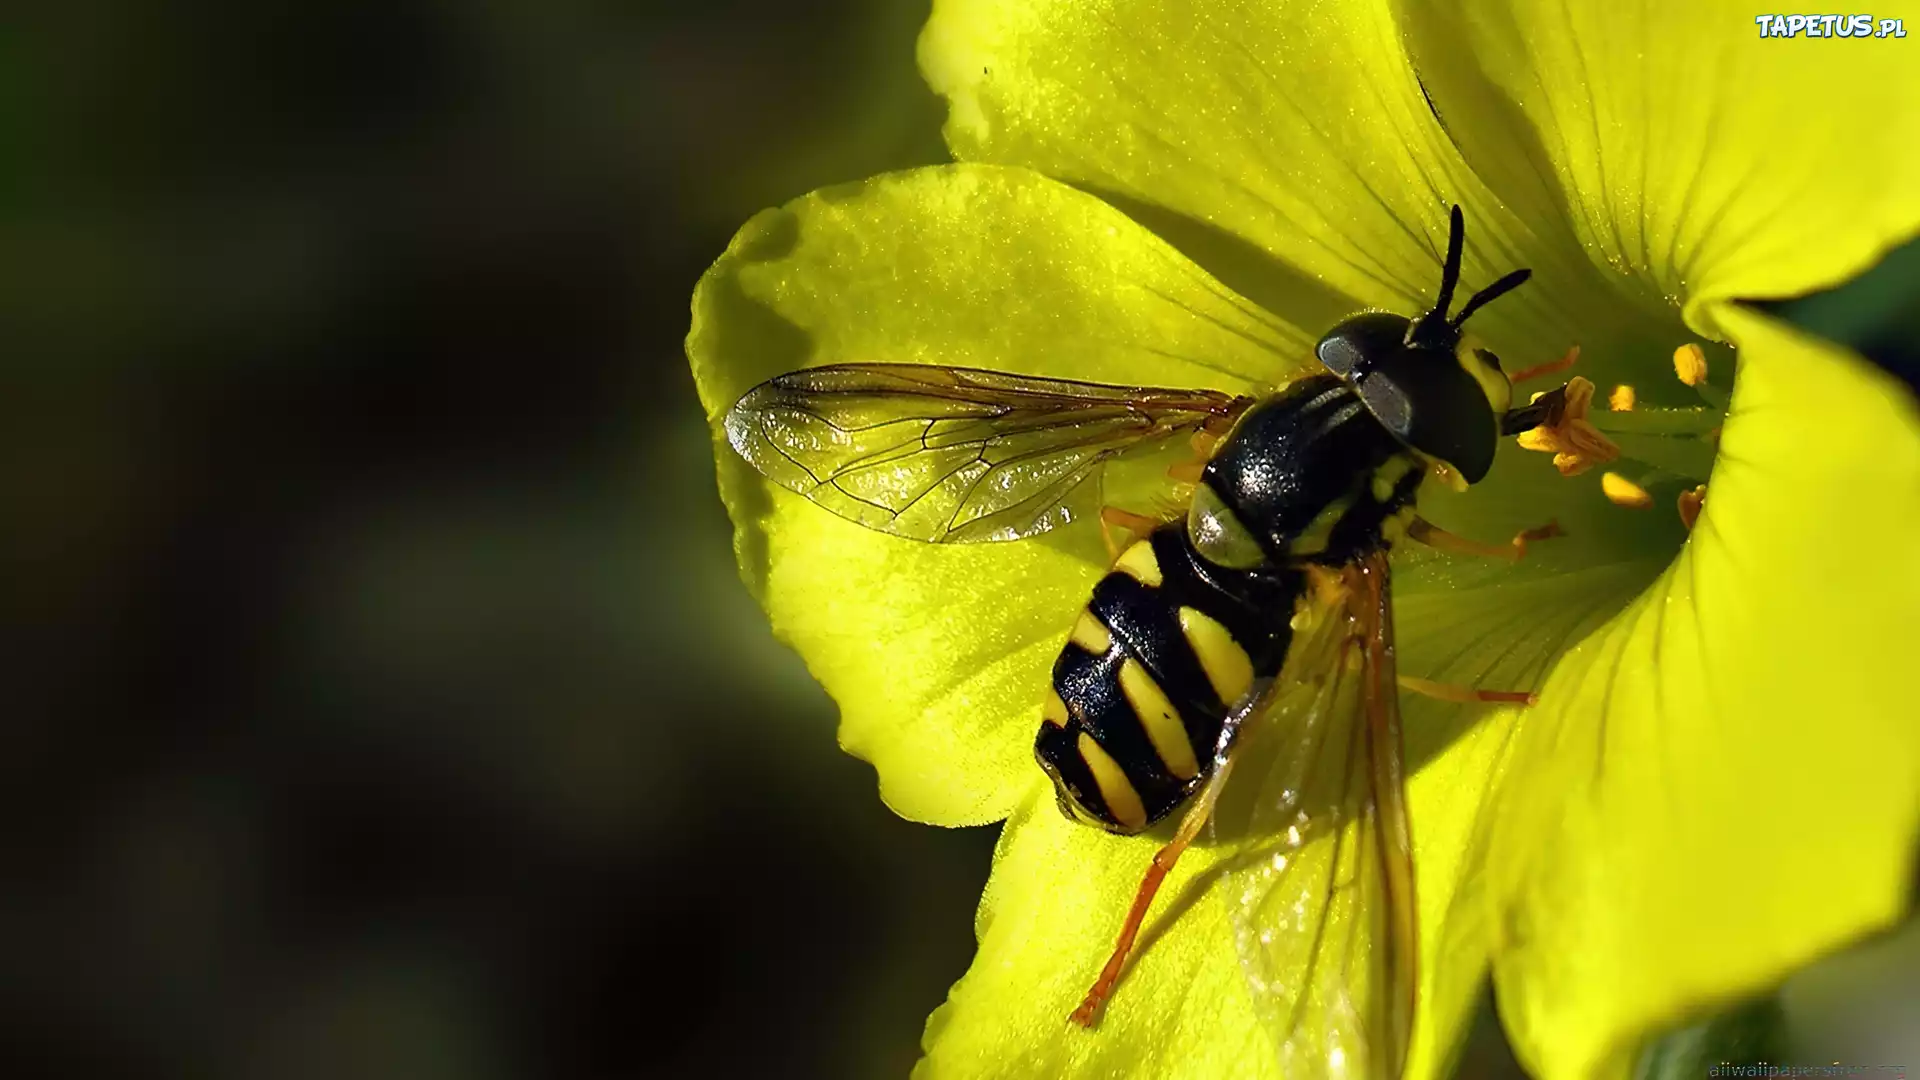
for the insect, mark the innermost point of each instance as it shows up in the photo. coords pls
(1265, 607)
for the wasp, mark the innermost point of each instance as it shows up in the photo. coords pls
(1264, 606)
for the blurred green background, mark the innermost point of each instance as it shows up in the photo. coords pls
(382, 699)
(385, 701)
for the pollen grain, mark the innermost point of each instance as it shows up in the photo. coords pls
(1691, 503)
(1690, 363)
(1623, 492)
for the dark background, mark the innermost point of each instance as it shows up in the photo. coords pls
(381, 700)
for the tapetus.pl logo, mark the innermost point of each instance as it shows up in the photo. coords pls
(1826, 26)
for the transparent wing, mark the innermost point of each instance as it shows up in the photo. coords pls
(1322, 898)
(953, 455)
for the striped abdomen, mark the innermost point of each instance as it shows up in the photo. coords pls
(1164, 649)
(1172, 639)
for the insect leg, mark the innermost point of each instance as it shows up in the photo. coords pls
(1163, 862)
(1203, 442)
(1187, 472)
(1548, 368)
(1251, 705)
(1426, 532)
(1464, 694)
(1135, 526)
(1539, 532)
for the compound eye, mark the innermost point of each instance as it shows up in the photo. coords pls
(1339, 354)
(1354, 347)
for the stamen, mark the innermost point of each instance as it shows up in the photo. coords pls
(1690, 363)
(1622, 399)
(1691, 502)
(1623, 492)
(1576, 445)
(1549, 368)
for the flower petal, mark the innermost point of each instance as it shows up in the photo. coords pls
(1046, 924)
(1718, 786)
(1286, 146)
(1455, 939)
(1504, 634)
(1058, 890)
(1690, 152)
(939, 654)
(1055, 901)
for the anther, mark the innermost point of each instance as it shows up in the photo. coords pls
(1691, 503)
(1690, 364)
(1623, 492)
(1576, 445)
(1622, 399)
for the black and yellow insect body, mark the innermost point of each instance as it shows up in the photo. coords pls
(1324, 473)
(1265, 607)
(1167, 645)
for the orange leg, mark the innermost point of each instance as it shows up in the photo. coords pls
(1163, 860)
(1203, 442)
(1539, 532)
(1426, 532)
(1547, 368)
(1135, 526)
(1465, 695)
(1139, 525)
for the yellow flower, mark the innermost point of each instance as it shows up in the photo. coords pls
(1717, 785)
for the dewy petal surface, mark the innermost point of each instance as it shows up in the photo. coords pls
(938, 654)
(1286, 145)
(1046, 924)
(1054, 904)
(1721, 785)
(1692, 155)
(1504, 633)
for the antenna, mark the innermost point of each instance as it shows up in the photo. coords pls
(1489, 294)
(1431, 330)
(1449, 277)
(1434, 330)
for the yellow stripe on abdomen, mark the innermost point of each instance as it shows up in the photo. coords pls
(1227, 665)
(1162, 721)
(1115, 789)
(1139, 563)
(1054, 710)
(1091, 634)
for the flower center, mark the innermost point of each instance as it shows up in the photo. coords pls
(1668, 450)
